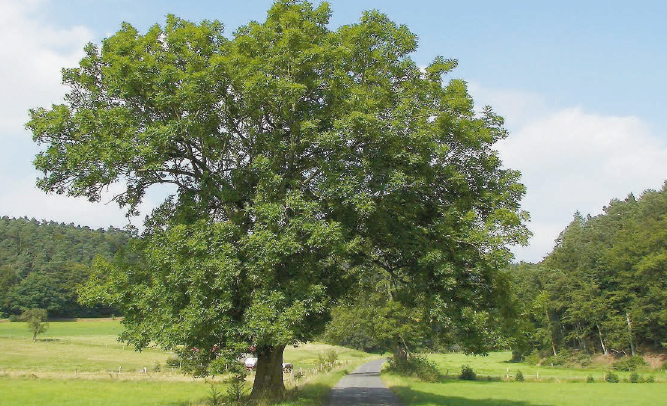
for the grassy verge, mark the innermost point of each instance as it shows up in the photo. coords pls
(545, 386)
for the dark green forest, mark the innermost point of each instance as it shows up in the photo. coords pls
(41, 264)
(603, 288)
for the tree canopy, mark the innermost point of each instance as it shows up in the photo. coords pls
(41, 264)
(602, 288)
(302, 158)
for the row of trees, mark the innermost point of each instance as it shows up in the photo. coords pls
(604, 286)
(41, 264)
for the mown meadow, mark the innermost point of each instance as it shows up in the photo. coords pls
(496, 384)
(82, 363)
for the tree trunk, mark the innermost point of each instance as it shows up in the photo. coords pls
(551, 333)
(269, 373)
(632, 345)
(604, 347)
(401, 354)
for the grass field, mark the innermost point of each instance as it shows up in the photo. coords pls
(82, 363)
(554, 387)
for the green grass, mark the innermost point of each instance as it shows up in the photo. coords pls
(479, 393)
(78, 347)
(76, 363)
(555, 386)
(71, 392)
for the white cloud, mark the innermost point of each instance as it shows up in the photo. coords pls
(572, 160)
(33, 53)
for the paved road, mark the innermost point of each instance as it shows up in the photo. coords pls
(363, 387)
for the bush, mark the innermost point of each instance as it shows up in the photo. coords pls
(630, 363)
(611, 377)
(237, 390)
(173, 362)
(650, 379)
(467, 373)
(532, 358)
(519, 376)
(634, 377)
(590, 379)
(415, 366)
(332, 357)
(580, 359)
(214, 396)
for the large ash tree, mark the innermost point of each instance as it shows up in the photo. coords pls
(302, 159)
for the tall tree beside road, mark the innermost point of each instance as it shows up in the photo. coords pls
(301, 159)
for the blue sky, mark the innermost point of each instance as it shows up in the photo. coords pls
(581, 85)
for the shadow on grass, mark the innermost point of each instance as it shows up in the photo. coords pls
(416, 398)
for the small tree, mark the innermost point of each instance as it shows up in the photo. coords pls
(36, 319)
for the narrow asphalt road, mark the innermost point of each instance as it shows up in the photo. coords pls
(363, 387)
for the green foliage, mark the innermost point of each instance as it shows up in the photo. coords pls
(519, 376)
(415, 365)
(304, 161)
(215, 397)
(467, 373)
(565, 357)
(237, 390)
(634, 377)
(611, 377)
(36, 321)
(41, 264)
(327, 360)
(590, 379)
(600, 288)
(632, 363)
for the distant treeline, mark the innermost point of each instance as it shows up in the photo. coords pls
(41, 264)
(604, 286)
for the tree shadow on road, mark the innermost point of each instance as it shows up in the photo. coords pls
(414, 397)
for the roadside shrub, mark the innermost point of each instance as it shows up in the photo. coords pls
(467, 373)
(630, 363)
(650, 379)
(519, 376)
(237, 390)
(332, 357)
(590, 379)
(611, 377)
(634, 377)
(415, 366)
